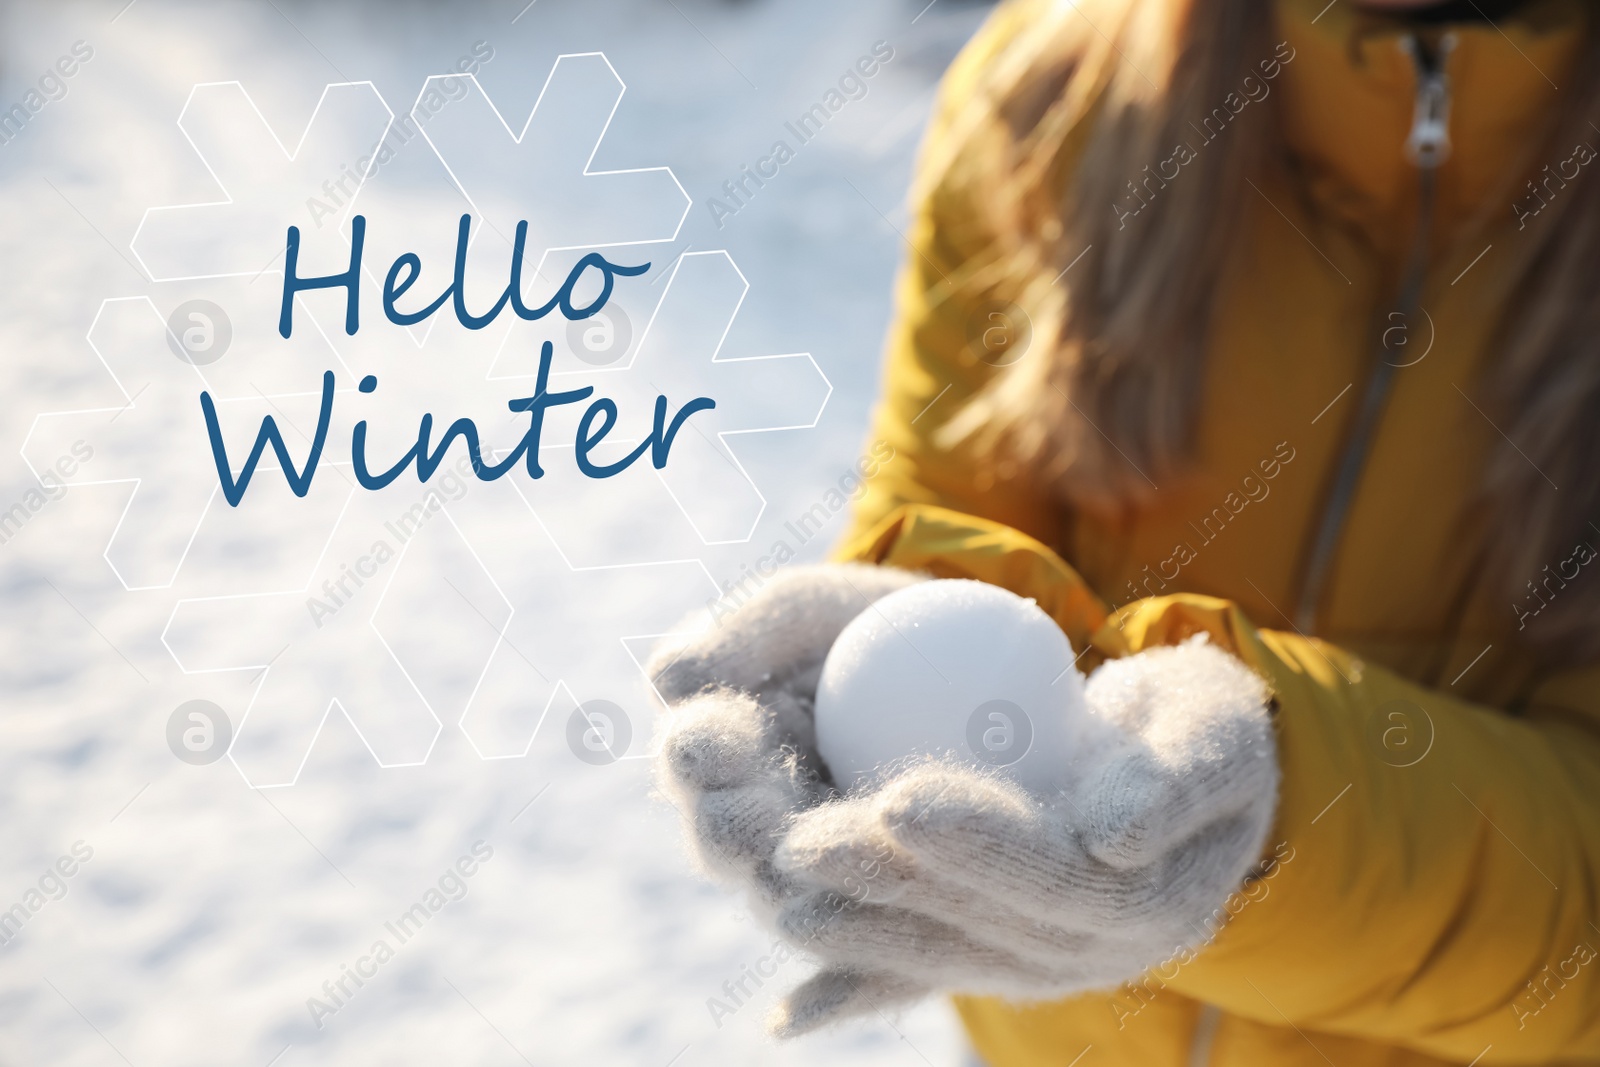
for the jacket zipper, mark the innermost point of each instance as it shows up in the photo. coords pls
(1427, 146)
(1205, 1035)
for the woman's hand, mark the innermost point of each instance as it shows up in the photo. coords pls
(947, 878)
(739, 756)
(960, 880)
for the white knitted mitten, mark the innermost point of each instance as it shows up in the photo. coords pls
(947, 878)
(959, 880)
(739, 757)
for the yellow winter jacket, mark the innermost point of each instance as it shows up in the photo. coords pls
(1433, 896)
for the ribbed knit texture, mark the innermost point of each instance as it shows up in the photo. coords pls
(945, 878)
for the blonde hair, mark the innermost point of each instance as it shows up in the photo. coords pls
(1107, 400)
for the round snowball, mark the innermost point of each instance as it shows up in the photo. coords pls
(951, 667)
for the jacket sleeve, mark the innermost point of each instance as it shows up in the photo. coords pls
(1434, 881)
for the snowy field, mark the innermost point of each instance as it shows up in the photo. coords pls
(405, 767)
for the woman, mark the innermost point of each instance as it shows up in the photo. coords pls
(1267, 321)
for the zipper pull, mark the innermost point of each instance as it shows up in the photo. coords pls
(1428, 144)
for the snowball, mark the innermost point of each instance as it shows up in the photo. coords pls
(951, 667)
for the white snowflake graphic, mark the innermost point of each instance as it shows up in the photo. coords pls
(499, 607)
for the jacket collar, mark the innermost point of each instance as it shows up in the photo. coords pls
(1349, 98)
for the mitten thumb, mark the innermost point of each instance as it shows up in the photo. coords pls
(835, 994)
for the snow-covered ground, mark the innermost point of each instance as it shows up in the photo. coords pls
(201, 914)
